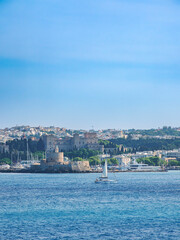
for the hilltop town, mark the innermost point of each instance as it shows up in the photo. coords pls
(36, 132)
(54, 149)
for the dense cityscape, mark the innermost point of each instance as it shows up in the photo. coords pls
(55, 149)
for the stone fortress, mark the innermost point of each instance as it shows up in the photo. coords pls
(89, 140)
(54, 156)
(55, 148)
(54, 163)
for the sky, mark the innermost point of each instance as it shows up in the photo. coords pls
(78, 64)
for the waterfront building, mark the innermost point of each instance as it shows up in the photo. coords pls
(142, 155)
(174, 154)
(123, 160)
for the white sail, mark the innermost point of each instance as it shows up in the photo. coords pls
(104, 174)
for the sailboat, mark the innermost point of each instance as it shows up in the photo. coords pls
(104, 177)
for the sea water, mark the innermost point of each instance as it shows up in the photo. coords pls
(72, 206)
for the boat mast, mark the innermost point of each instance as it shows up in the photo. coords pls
(27, 149)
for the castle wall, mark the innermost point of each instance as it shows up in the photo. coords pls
(89, 140)
(49, 142)
(80, 166)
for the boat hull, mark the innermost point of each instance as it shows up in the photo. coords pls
(105, 181)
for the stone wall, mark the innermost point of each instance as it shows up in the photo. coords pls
(80, 166)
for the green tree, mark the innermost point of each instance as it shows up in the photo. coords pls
(94, 160)
(108, 161)
(114, 161)
(83, 153)
(151, 161)
(162, 162)
(40, 154)
(78, 159)
(5, 161)
(145, 160)
(173, 163)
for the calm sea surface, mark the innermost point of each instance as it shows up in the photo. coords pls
(72, 206)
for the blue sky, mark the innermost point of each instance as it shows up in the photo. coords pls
(76, 63)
